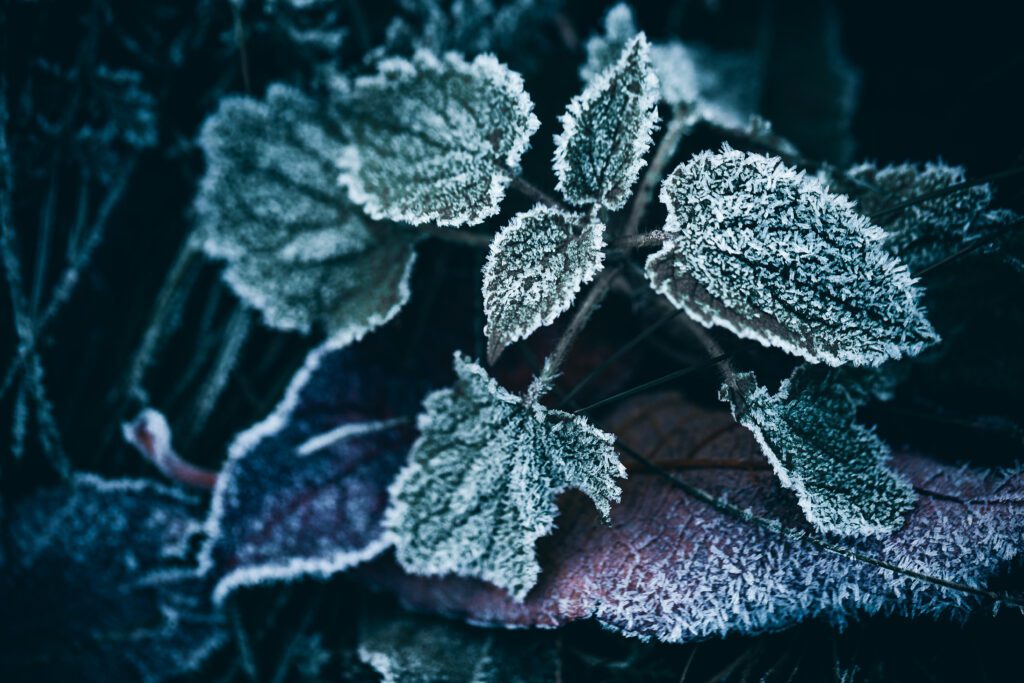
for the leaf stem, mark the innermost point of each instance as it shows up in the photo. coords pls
(598, 291)
(528, 189)
(654, 238)
(455, 236)
(677, 127)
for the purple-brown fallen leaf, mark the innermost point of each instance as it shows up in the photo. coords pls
(98, 585)
(674, 568)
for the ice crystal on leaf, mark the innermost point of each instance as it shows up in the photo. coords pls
(926, 232)
(676, 568)
(295, 249)
(479, 488)
(435, 139)
(606, 131)
(101, 570)
(719, 87)
(770, 254)
(536, 265)
(837, 467)
(404, 648)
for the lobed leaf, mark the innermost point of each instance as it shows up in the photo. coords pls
(98, 586)
(677, 569)
(480, 484)
(836, 467)
(270, 207)
(606, 131)
(536, 266)
(435, 139)
(771, 255)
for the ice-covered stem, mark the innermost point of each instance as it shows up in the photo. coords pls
(654, 238)
(714, 350)
(151, 436)
(528, 189)
(553, 363)
(677, 127)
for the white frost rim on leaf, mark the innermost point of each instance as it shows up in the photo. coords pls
(242, 444)
(394, 70)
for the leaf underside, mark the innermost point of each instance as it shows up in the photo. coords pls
(269, 206)
(435, 140)
(480, 485)
(836, 467)
(536, 266)
(771, 255)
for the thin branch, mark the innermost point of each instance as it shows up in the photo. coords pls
(531, 191)
(678, 126)
(654, 238)
(798, 536)
(598, 291)
(726, 370)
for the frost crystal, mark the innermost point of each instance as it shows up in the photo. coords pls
(479, 488)
(606, 131)
(771, 255)
(722, 88)
(837, 468)
(927, 232)
(435, 140)
(414, 649)
(270, 206)
(98, 586)
(535, 268)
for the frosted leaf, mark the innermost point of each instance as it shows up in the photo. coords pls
(435, 139)
(479, 488)
(674, 568)
(98, 587)
(269, 206)
(836, 467)
(771, 255)
(927, 232)
(404, 648)
(606, 131)
(534, 270)
(722, 88)
(304, 490)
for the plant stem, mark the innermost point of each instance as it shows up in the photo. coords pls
(678, 125)
(528, 189)
(456, 236)
(598, 291)
(725, 368)
(654, 238)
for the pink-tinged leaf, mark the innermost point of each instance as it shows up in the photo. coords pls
(677, 569)
(97, 585)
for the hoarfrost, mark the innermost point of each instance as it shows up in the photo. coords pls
(534, 270)
(435, 139)
(771, 255)
(606, 131)
(269, 205)
(97, 586)
(837, 468)
(479, 488)
(404, 648)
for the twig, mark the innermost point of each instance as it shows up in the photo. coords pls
(725, 368)
(678, 126)
(528, 189)
(553, 363)
(455, 236)
(654, 238)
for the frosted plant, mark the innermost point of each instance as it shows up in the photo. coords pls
(535, 267)
(931, 230)
(837, 468)
(479, 488)
(269, 206)
(606, 131)
(722, 88)
(770, 254)
(404, 648)
(435, 139)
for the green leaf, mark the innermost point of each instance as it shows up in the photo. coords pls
(771, 255)
(606, 131)
(535, 268)
(435, 139)
(480, 485)
(836, 467)
(270, 207)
